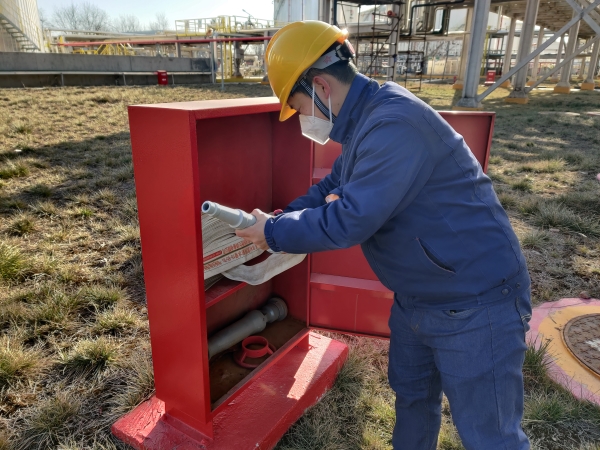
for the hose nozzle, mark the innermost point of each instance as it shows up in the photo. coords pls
(235, 218)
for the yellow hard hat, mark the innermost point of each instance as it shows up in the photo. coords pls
(294, 49)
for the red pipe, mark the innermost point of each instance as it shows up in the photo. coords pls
(168, 41)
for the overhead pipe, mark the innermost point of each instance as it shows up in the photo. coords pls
(166, 41)
(253, 322)
(423, 5)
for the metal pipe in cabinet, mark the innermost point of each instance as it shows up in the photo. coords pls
(253, 322)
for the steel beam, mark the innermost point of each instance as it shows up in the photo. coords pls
(566, 61)
(593, 64)
(509, 45)
(459, 84)
(393, 45)
(481, 11)
(564, 85)
(538, 51)
(591, 18)
(536, 61)
(525, 41)
(561, 47)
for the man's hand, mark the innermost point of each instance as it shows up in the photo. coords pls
(256, 233)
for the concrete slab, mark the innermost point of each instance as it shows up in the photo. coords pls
(562, 89)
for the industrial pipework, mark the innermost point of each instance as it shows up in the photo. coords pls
(235, 218)
(253, 322)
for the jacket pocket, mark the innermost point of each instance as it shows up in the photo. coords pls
(433, 261)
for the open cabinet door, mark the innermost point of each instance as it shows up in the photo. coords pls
(345, 295)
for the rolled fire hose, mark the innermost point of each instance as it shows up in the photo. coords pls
(253, 322)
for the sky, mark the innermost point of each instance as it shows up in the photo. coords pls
(145, 10)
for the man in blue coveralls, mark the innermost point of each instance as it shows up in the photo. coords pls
(409, 191)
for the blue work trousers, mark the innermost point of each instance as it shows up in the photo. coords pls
(475, 356)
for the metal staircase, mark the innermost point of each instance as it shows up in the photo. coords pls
(24, 42)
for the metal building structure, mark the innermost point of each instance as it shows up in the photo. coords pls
(20, 28)
(578, 19)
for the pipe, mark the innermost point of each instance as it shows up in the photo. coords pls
(165, 41)
(253, 322)
(235, 218)
(423, 5)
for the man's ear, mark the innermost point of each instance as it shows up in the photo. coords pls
(322, 86)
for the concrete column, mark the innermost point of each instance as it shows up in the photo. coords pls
(464, 51)
(509, 49)
(519, 95)
(589, 84)
(564, 85)
(481, 11)
(561, 47)
(536, 61)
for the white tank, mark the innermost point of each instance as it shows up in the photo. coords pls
(294, 10)
(18, 19)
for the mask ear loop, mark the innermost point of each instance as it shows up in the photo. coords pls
(313, 99)
(313, 103)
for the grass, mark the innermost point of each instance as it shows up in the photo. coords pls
(90, 356)
(12, 263)
(75, 354)
(17, 362)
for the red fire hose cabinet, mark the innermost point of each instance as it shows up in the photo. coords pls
(237, 153)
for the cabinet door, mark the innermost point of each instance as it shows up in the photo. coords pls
(344, 293)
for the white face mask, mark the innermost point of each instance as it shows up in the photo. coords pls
(314, 128)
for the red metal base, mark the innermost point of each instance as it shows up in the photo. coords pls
(259, 416)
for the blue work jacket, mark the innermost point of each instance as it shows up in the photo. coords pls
(414, 197)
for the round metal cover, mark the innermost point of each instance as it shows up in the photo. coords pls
(582, 336)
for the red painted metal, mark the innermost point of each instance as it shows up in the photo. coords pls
(247, 352)
(237, 153)
(260, 415)
(165, 41)
(162, 76)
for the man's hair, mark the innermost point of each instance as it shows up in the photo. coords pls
(344, 71)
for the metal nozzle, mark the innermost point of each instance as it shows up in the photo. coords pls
(235, 218)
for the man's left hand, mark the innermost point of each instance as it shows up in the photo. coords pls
(256, 233)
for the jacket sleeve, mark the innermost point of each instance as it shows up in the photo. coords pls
(392, 165)
(315, 196)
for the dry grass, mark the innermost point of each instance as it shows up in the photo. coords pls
(74, 348)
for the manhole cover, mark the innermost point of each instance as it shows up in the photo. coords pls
(582, 336)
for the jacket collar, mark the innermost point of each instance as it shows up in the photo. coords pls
(361, 89)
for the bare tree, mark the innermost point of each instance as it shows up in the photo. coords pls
(81, 16)
(93, 18)
(44, 21)
(161, 23)
(127, 24)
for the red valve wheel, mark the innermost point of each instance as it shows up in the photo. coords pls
(246, 352)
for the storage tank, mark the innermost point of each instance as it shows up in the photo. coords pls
(294, 10)
(20, 28)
